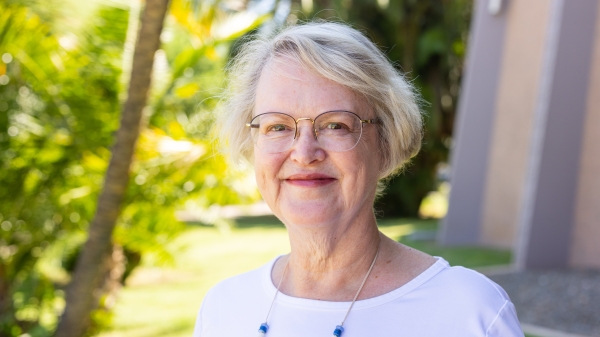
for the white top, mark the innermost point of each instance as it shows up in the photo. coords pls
(441, 301)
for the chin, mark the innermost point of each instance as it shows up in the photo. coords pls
(308, 213)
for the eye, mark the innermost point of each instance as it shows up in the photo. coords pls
(277, 127)
(335, 126)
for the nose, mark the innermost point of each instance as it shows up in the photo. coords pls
(306, 148)
(311, 124)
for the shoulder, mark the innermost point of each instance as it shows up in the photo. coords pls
(468, 285)
(469, 296)
(244, 295)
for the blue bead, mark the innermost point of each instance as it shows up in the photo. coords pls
(338, 331)
(263, 328)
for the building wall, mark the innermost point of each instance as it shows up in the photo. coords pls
(585, 250)
(527, 176)
(473, 128)
(525, 39)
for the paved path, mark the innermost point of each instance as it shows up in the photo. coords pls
(562, 300)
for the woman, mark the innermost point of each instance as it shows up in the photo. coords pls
(324, 117)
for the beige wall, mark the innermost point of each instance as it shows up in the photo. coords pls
(526, 35)
(585, 246)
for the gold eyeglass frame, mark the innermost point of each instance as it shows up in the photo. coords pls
(315, 131)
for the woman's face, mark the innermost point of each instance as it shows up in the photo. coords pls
(308, 185)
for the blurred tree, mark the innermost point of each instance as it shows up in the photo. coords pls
(87, 276)
(45, 124)
(426, 40)
(59, 101)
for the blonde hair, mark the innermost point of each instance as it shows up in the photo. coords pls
(336, 52)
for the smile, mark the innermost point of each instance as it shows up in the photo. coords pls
(309, 180)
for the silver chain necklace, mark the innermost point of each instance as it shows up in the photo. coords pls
(339, 329)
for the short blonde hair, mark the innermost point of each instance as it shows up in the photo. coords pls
(336, 52)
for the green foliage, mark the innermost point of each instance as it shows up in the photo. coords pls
(46, 121)
(60, 96)
(426, 39)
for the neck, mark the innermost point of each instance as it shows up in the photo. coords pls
(329, 265)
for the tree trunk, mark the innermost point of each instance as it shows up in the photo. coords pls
(87, 275)
(105, 295)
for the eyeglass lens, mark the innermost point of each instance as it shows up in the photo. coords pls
(335, 131)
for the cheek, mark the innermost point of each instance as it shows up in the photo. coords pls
(364, 169)
(266, 169)
(363, 180)
(262, 176)
(260, 179)
(373, 155)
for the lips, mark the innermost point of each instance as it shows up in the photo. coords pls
(310, 180)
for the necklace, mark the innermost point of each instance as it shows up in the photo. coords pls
(339, 329)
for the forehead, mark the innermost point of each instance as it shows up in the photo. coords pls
(286, 86)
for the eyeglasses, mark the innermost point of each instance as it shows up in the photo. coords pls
(336, 131)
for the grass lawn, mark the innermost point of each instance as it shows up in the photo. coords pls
(164, 301)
